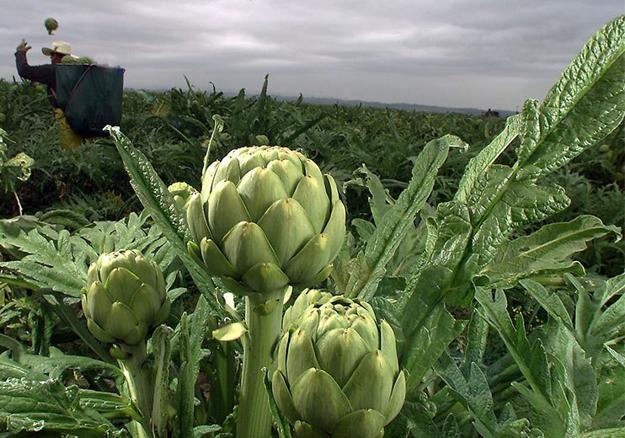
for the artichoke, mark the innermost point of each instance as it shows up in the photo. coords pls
(266, 217)
(181, 191)
(304, 300)
(76, 60)
(51, 25)
(338, 374)
(124, 298)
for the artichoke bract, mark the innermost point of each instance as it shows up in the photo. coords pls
(124, 298)
(304, 300)
(338, 375)
(266, 217)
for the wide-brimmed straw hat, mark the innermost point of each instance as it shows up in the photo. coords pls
(61, 47)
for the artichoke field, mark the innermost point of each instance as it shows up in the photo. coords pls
(254, 306)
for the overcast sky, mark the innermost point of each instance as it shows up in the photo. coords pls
(478, 53)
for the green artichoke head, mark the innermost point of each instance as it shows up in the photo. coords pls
(124, 298)
(338, 375)
(266, 217)
(51, 25)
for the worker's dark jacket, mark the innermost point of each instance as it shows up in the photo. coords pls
(45, 74)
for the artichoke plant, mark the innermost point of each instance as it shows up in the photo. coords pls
(266, 217)
(338, 374)
(124, 298)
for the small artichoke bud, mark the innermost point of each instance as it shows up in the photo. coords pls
(51, 25)
(266, 218)
(338, 373)
(124, 298)
(181, 192)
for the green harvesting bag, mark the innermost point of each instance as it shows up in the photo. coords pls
(90, 96)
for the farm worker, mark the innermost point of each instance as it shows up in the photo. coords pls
(46, 74)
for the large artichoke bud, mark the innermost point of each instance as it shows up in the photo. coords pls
(338, 374)
(266, 217)
(124, 298)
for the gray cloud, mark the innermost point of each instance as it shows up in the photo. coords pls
(484, 53)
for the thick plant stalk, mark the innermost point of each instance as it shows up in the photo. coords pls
(139, 382)
(264, 323)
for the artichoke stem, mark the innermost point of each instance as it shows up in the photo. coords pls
(264, 323)
(138, 380)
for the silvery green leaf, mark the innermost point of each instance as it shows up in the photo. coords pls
(428, 327)
(477, 336)
(473, 392)
(618, 356)
(479, 165)
(611, 403)
(161, 347)
(155, 197)
(32, 406)
(550, 302)
(504, 205)
(453, 230)
(583, 107)
(579, 376)
(544, 252)
(398, 220)
(610, 324)
(541, 388)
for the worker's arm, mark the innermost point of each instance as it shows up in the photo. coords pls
(39, 73)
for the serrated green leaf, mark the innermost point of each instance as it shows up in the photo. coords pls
(162, 359)
(473, 392)
(619, 357)
(427, 325)
(578, 375)
(398, 220)
(48, 263)
(584, 106)
(57, 363)
(192, 331)
(504, 205)
(453, 230)
(529, 357)
(611, 403)
(155, 197)
(550, 302)
(32, 406)
(544, 252)
(531, 132)
(201, 431)
(477, 336)
(479, 165)
(111, 406)
(617, 432)
(611, 323)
